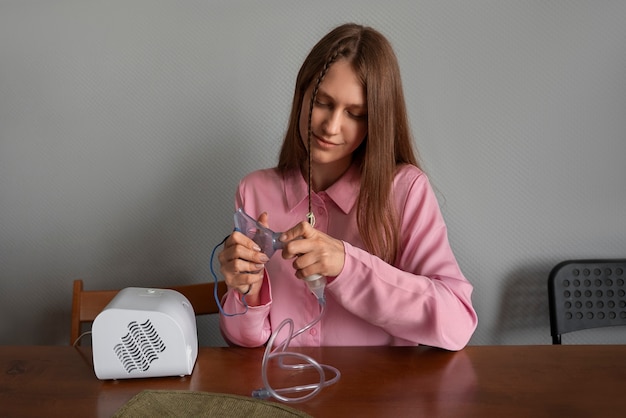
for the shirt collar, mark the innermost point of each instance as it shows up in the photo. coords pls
(343, 192)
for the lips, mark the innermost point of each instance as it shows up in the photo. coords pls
(324, 142)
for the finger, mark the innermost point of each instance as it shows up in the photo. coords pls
(297, 240)
(240, 266)
(240, 280)
(305, 269)
(240, 246)
(301, 230)
(264, 219)
(237, 238)
(238, 258)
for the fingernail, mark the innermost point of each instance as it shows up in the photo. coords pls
(283, 237)
(264, 258)
(256, 248)
(259, 266)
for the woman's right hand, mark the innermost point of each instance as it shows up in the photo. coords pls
(242, 264)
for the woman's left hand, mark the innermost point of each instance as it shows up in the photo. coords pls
(314, 251)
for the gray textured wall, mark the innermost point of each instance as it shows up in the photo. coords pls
(125, 126)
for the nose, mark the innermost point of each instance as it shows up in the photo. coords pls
(332, 123)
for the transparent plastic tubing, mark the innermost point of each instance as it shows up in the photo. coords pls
(280, 353)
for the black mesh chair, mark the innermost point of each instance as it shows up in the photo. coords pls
(586, 294)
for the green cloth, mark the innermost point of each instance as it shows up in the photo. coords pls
(182, 403)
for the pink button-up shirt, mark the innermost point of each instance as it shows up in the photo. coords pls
(422, 299)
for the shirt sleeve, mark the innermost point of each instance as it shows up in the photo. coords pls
(249, 329)
(424, 297)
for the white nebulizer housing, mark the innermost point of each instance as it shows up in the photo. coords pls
(145, 332)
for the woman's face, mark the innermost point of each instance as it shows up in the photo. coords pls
(339, 119)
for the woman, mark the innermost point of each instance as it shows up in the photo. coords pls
(347, 163)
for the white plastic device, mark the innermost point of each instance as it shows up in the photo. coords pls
(145, 332)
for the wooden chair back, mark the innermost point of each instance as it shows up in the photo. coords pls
(87, 304)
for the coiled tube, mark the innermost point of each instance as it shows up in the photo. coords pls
(280, 353)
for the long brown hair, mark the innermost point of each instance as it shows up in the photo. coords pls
(388, 144)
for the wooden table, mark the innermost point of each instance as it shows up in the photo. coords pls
(485, 381)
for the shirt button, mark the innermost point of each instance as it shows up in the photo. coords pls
(313, 331)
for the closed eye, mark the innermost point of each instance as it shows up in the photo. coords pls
(321, 104)
(354, 111)
(359, 116)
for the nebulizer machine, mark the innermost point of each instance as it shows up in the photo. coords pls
(269, 243)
